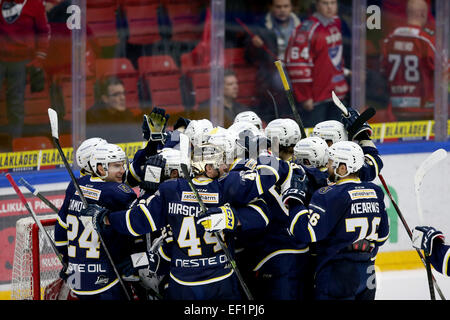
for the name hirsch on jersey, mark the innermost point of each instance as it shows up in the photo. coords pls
(185, 210)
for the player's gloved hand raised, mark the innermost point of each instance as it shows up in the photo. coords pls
(362, 132)
(218, 219)
(98, 215)
(136, 261)
(296, 192)
(153, 173)
(181, 123)
(154, 125)
(423, 238)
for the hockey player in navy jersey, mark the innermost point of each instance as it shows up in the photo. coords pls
(333, 131)
(347, 221)
(275, 261)
(90, 274)
(199, 269)
(431, 241)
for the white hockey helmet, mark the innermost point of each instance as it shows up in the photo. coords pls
(241, 130)
(286, 130)
(105, 154)
(207, 154)
(249, 116)
(197, 130)
(226, 140)
(174, 159)
(84, 152)
(313, 149)
(347, 152)
(332, 130)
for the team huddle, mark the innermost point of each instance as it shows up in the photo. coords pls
(226, 213)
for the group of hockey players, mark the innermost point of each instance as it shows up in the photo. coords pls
(236, 213)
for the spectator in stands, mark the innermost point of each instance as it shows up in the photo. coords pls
(266, 44)
(230, 94)
(24, 39)
(314, 61)
(111, 107)
(408, 65)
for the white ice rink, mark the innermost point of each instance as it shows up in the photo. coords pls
(409, 285)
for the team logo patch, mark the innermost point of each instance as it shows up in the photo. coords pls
(11, 11)
(90, 193)
(362, 194)
(324, 190)
(124, 188)
(206, 197)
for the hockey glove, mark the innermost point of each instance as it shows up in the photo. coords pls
(137, 261)
(153, 173)
(154, 125)
(218, 219)
(297, 191)
(181, 123)
(423, 238)
(362, 132)
(97, 215)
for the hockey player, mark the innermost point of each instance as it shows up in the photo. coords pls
(312, 154)
(249, 116)
(84, 153)
(153, 131)
(277, 262)
(431, 241)
(333, 131)
(348, 221)
(90, 274)
(199, 269)
(314, 61)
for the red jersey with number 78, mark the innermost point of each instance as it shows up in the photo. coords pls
(314, 59)
(408, 65)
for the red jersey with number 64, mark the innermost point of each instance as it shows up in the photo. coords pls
(408, 65)
(314, 59)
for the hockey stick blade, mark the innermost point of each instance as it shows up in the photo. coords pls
(53, 116)
(34, 191)
(431, 161)
(427, 164)
(339, 104)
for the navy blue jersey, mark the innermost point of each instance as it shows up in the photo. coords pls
(340, 215)
(88, 264)
(440, 258)
(196, 257)
(372, 164)
(274, 239)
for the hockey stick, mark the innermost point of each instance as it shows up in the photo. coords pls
(275, 105)
(34, 191)
(363, 117)
(53, 116)
(251, 34)
(290, 97)
(223, 246)
(408, 230)
(35, 218)
(426, 165)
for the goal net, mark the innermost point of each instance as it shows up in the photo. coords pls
(35, 264)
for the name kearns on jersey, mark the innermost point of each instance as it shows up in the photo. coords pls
(365, 207)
